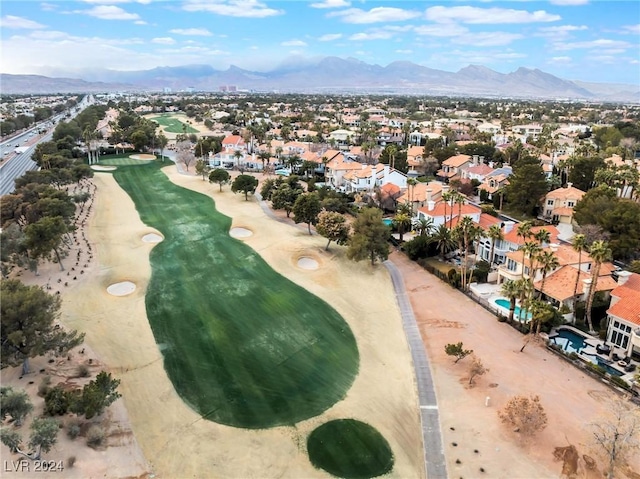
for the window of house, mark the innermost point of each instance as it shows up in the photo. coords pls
(570, 204)
(549, 202)
(511, 265)
(620, 334)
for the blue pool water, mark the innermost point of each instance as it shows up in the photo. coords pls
(573, 342)
(387, 221)
(506, 304)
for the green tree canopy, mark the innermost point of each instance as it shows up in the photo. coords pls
(220, 176)
(583, 171)
(527, 186)
(96, 396)
(306, 209)
(333, 226)
(369, 238)
(246, 184)
(285, 197)
(28, 324)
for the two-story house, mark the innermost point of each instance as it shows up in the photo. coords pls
(559, 204)
(452, 167)
(624, 314)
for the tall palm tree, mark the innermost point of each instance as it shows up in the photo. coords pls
(162, 143)
(411, 184)
(524, 231)
(495, 234)
(542, 236)
(599, 252)
(446, 198)
(525, 289)
(443, 240)
(548, 262)
(459, 198)
(424, 226)
(402, 221)
(579, 244)
(510, 291)
(237, 155)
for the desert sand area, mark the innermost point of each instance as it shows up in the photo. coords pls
(171, 441)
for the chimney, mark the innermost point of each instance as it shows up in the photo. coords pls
(623, 277)
(491, 164)
(554, 246)
(429, 192)
(587, 285)
(431, 205)
(569, 184)
(386, 175)
(475, 160)
(508, 226)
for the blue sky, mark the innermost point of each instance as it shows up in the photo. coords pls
(573, 39)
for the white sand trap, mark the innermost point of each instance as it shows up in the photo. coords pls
(103, 168)
(143, 157)
(307, 263)
(240, 232)
(121, 289)
(152, 238)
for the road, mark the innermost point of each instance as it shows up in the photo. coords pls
(14, 165)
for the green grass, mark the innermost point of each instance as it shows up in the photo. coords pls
(243, 345)
(172, 124)
(119, 160)
(349, 448)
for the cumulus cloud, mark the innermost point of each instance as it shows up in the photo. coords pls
(163, 40)
(486, 39)
(441, 30)
(632, 29)
(330, 37)
(599, 44)
(466, 14)
(331, 4)
(109, 12)
(294, 43)
(375, 15)
(375, 35)
(404, 52)
(11, 21)
(232, 8)
(195, 32)
(563, 59)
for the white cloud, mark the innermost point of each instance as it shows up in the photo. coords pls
(11, 21)
(375, 15)
(109, 12)
(563, 59)
(48, 7)
(232, 8)
(465, 14)
(486, 39)
(331, 4)
(294, 43)
(163, 40)
(201, 32)
(404, 52)
(374, 35)
(330, 37)
(441, 30)
(560, 30)
(569, 2)
(632, 29)
(598, 44)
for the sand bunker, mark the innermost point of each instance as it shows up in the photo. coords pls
(152, 238)
(121, 289)
(103, 168)
(143, 156)
(240, 232)
(307, 263)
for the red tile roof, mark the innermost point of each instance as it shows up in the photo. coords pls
(628, 306)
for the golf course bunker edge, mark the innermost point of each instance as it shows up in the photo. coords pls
(152, 238)
(122, 288)
(240, 232)
(307, 263)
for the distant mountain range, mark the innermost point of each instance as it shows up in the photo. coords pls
(328, 75)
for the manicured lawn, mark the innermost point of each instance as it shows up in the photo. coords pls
(243, 345)
(349, 448)
(119, 160)
(172, 124)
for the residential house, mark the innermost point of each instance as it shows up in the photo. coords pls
(624, 314)
(342, 137)
(511, 242)
(448, 213)
(559, 204)
(453, 167)
(420, 194)
(496, 180)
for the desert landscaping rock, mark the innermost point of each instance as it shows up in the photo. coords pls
(240, 232)
(152, 238)
(307, 263)
(121, 289)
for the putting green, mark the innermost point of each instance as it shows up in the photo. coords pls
(172, 125)
(349, 448)
(120, 160)
(243, 345)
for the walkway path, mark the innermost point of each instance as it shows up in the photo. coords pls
(432, 437)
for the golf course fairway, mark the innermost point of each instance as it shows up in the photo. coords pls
(242, 345)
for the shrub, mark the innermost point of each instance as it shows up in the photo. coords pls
(596, 368)
(56, 401)
(618, 381)
(74, 428)
(573, 355)
(71, 460)
(83, 371)
(44, 386)
(95, 436)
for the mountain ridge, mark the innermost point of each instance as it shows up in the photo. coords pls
(329, 74)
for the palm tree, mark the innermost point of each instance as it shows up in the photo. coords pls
(579, 244)
(443, 240)
(548, 262)
(524, 231)
(525, 288)
(446, 197)
(392, 151)
(542, 236)
(237, 155)
(495, 234)
(459, 198)
(531, 249)
(162, 143)
(599, 252)
(401, 221)
(511, 291)
(411, 184)
(424, 226)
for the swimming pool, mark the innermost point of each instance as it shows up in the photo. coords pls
(505, 304)
(572, 342)
(387, 221)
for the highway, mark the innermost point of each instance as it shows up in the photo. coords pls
(14, 164)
